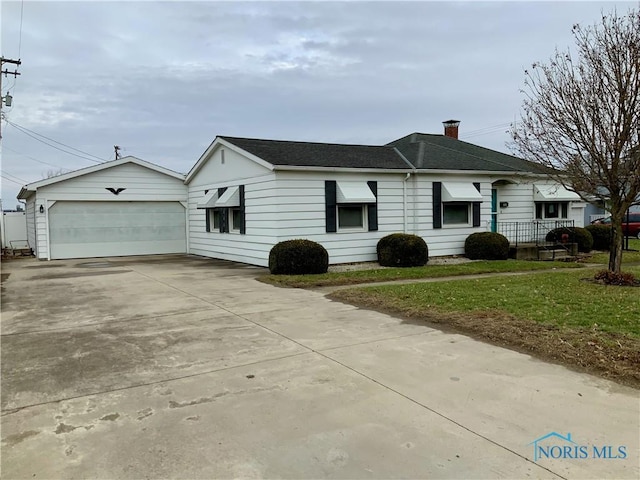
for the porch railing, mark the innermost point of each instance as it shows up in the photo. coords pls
(533, 232)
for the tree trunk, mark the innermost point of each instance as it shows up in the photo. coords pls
(617, 237)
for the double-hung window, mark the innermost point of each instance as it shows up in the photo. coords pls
(456, 204)
(552, 210)
(351, 206)
(224, 209)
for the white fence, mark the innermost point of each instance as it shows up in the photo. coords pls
(14, 228)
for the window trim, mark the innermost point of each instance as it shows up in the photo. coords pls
(563, 210)
(233, 228)
(363, 215)
(469, 221)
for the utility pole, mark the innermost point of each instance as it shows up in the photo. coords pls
(5, 72)
(117, 150)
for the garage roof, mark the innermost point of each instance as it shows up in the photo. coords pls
(28, 189)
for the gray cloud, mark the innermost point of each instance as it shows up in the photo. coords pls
(161, 79)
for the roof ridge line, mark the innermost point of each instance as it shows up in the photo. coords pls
(307, 142)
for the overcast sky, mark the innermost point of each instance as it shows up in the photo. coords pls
(162, 79)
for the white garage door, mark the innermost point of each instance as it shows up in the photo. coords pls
(109, 229)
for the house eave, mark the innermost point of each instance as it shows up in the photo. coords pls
(481, 172)
(102, 166)
(204, 158)
(24, 193)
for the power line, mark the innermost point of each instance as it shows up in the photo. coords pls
(485, 130)
(55, 141)
(26, 132)
(34, 159)
(14, 177)
(13, 181)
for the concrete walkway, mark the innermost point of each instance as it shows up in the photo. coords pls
(183, 367)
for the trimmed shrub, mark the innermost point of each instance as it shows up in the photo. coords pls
(578, 235)
(601, 236)
(402, 250)
(486, 246)
(298, 257)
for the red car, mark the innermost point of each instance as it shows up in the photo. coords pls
(631, 229)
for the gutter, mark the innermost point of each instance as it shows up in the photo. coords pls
(296, 168)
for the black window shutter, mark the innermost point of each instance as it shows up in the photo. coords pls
(372, 209)
(437, 204)
(476, 208)
(207, 219)
(330, 206)
(221, 219)
(224, 217)
(242, 221)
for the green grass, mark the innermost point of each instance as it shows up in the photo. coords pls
(627, 256)
(558, 298)
(429, 271)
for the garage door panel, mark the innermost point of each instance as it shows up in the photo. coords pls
(98, 229)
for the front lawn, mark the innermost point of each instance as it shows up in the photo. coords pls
(554, 315)
(631, 256)
(428, 271)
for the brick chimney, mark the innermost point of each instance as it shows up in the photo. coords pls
(451, 128)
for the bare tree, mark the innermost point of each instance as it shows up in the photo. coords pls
(54, 173)
(581, 117)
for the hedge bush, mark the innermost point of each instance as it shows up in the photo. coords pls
(402, 250)
(601, 236)
(298, 257)
(486, 246)
(578, 235)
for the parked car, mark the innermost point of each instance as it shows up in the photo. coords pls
(631, 229)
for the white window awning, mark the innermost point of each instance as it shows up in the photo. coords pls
(230, 198)
(354, 192)
(554, 192)
(460, 192)
(209, 200)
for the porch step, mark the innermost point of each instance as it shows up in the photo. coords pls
(555, 254)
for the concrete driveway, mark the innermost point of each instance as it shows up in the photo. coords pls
(184, 367)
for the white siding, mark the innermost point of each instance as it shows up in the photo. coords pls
(448, 240)
(260, 217)
(301, 213)
(520, 198)
(30, 210)
(140, 183)
(236, 167)
(286, 205)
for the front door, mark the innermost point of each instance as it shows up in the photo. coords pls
(494, 210)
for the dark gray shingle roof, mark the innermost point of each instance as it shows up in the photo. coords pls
(310, 154)
(428, 151)
(424, 151)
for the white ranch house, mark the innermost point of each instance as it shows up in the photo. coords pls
(245, 195)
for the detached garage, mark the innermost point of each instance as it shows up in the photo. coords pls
(123, 207)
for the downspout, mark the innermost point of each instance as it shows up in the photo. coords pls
(404, 188)
(404, 201)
